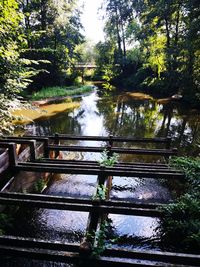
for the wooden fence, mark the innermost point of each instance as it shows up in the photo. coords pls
(98, 209)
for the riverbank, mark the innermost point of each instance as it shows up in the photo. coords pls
(51, 101)
(60, 92)
(28, 115)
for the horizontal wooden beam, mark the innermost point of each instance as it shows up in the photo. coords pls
(116, 166)
(38, 243)
(60, 205)
(53, 198)
(137, 164)
(30, 143)
(96, 138)
(19, 245)
(159, 152)
(11, 152)
(114, 138)
(108, 171)
(72, 257)
(162, 256)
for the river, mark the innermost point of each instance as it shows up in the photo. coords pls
(119, 115)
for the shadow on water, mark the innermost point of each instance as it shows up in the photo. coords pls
(119, 115)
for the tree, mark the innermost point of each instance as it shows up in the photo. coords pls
(168, 36)
(52, 31)
(176, 23)
(119, 14)
(14, 75)
(106, 61)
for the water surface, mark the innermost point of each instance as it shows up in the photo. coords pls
(119, 115)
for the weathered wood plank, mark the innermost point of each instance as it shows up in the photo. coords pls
(160, 152)
(30, 143)
(81, 207)
(4, 161)
(50, 198)
(38, 243)
(96, 171)
(170, 257)
(100, 138)
(16, 246)
(11, 152)
(97, 166)
(94, 138)
(137, 164)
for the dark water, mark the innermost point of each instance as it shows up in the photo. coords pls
(124, 116)
(121, 116)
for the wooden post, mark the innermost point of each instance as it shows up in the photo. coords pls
(32, 149)
(56, 142)
(168, 144)
(46, 148)
(12, 154)
(101, 177)
(109, 178)
(110, 140)
(86, 245)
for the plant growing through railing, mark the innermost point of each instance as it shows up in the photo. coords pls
(108, 160)
(100, 193)
(39, 185)
(99, 238)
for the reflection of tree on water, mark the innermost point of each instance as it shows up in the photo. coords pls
(167, 111)
(146, 118)
(64, 123)
(182, 125)
(124, 116)
(130, 118)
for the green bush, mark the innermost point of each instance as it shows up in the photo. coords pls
(180, 226)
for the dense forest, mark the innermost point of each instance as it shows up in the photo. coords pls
(149, 45)
(152, 45)
(38, 40)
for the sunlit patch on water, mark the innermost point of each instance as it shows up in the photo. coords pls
(139, 189)
(77, 186)
(68, 226)
(134, 232)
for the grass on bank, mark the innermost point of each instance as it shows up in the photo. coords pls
(57, 91)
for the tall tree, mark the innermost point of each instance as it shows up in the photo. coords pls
(53, 31)
(176, 22)
(13, 72)
(118, 14)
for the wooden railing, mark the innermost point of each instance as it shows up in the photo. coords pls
(97, 208)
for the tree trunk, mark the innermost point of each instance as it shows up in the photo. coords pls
(43, 14)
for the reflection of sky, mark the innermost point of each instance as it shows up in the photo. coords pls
(90, 120)
(134, 225)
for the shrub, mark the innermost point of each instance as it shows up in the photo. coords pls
(180, 226)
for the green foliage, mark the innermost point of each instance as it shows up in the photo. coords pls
(39, 186)
(14, 74)
(101, 193)
(100, 238)
(167, 34)
(108, 160)
(191, 168)
(180, 226)
(52, 30)
(60, 91)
